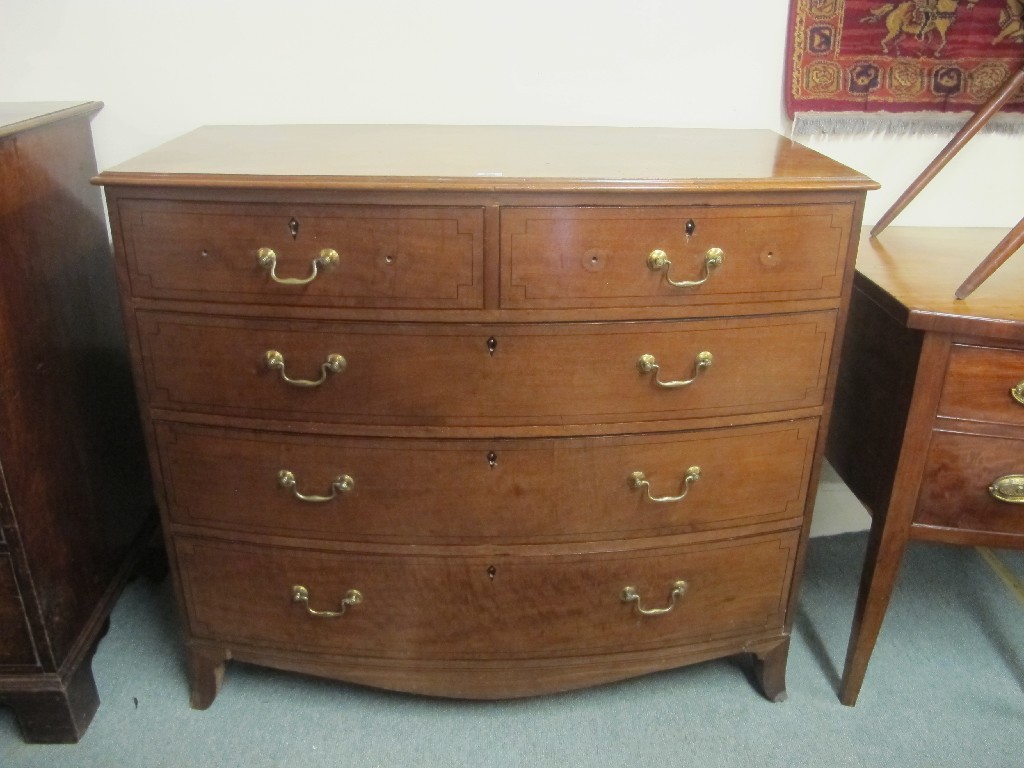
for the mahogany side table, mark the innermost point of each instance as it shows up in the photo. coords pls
(928, 426)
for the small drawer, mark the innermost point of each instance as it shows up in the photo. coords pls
(417, 257)
(608, 257)
(984, 384)
(509, 604)
(955, 489)
(466, 491)
(453, 375)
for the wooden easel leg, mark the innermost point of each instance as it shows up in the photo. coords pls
(965, 134)
(1008, 246)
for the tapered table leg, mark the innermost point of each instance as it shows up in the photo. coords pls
(881, 565)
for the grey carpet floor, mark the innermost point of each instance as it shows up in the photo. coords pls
(945, 688)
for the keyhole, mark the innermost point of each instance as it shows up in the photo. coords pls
(492, 572)
(492, 344)
(691, 227)
(492, 459)
(293, 227)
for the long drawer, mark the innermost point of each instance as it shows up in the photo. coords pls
(959, 472)
(417, 257)
(484, 374)
(484, 490)
(593, 257)
(509, 604)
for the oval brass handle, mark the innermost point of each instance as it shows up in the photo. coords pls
(1008, 488)
(1017, 392)
(630, 595)
(658, 260)
(267, 259)
(341, 484)
(639, 480)
(333, 364)
(649, 364)
(301, 595)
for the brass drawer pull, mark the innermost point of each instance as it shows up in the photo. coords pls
(301, 595)
(639, 480)
(658, 260)
(341, 484)
(1017, 392)
(1008, 488)
(630, 595)
(267, 259)
(333, 364)
(649, 364)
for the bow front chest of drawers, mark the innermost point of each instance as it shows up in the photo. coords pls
(484, 412)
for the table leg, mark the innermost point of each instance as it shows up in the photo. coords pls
(886, 545)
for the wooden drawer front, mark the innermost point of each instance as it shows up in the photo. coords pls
(455, 491)
(452, 605)
(16, 649)
(598, 257)
(980, 382)
(411, 257)
(448, 375)
(960, 469)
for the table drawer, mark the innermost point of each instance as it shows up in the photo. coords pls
(598, 257)
(984, 384)
(461, 491)
(417, 257)
(955, 489)
(484, 375)
(513, 603)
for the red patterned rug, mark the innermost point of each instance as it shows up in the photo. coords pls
(856, 65)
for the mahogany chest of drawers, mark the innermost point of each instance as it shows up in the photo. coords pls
(484, 412)
(75, 507)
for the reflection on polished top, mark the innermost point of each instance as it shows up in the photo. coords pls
(486, 158)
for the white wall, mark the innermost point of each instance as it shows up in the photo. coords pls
(163, 68)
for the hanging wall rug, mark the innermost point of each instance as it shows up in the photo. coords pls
(918, 66)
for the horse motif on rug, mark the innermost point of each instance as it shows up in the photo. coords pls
(1011, 26)
(921, 19)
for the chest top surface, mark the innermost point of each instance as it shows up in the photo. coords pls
(17, 116)
(485, 158)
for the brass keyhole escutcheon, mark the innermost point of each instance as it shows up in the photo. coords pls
(492, 572)
(293, 227)
(492, 345)
(691, 227)
(492, 459)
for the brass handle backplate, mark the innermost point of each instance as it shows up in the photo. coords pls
(1017, 392)
(341, 484)
(334, 363)
(301, 595)
(639, 480)
(649, 364)
(1008, 488)
(328, 257)
(658, 260)
(630, 595)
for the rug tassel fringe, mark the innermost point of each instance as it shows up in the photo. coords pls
(903, 124)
